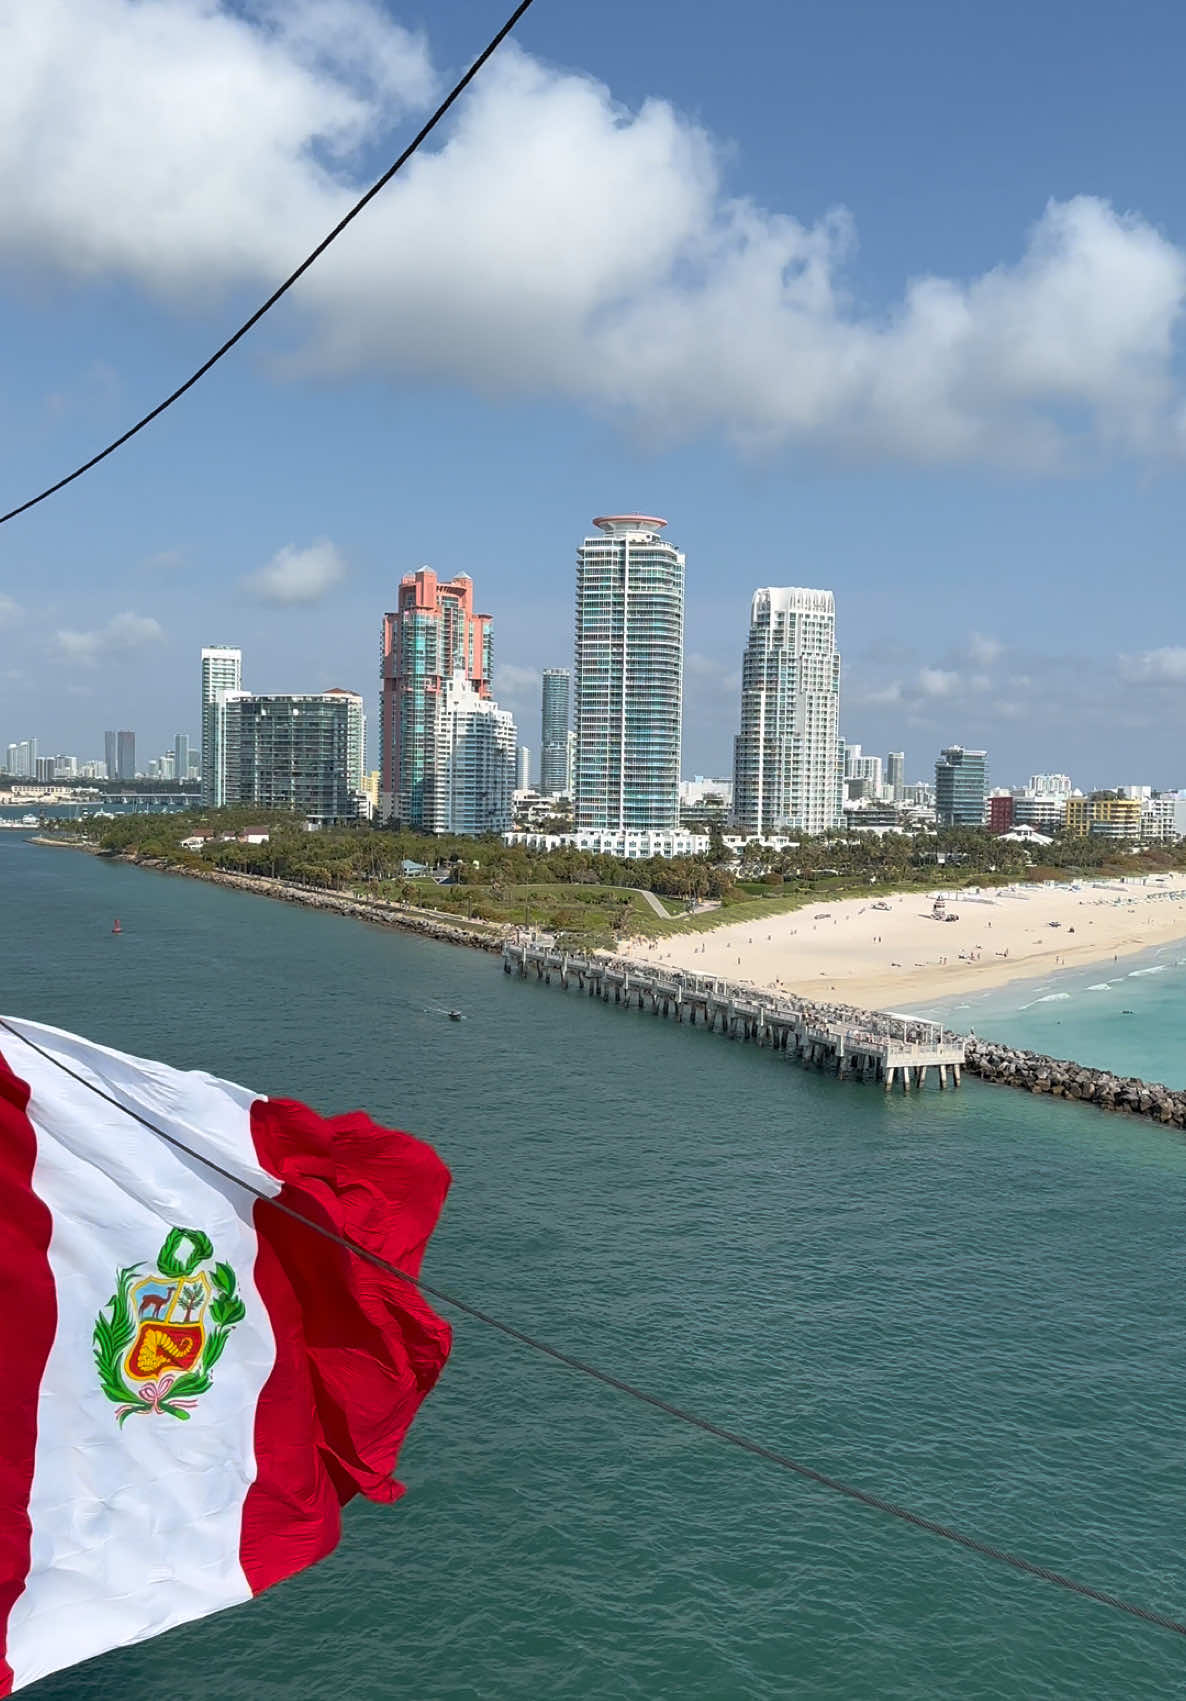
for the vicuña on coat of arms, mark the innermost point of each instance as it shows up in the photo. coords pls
(162, 1333)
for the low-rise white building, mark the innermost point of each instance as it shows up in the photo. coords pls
(635, 844)
(1163, 816)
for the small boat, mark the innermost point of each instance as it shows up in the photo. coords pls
(455, 1016)
(115, 927)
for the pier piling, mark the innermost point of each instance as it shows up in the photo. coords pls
(849, 1044)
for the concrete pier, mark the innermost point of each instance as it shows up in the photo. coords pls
(898, 1051)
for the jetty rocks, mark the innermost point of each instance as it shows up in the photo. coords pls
(383, 913)
(1033, 1073)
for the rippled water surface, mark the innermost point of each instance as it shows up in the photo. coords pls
(972, 1303)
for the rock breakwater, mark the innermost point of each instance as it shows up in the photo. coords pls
(477, 937)
(1034, 1073)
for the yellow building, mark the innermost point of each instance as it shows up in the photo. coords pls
(1103, 814)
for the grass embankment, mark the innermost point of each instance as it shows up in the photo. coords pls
(586, 914)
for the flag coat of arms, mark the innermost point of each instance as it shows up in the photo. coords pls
(194, 1381)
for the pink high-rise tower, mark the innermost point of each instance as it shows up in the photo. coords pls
(432, 637)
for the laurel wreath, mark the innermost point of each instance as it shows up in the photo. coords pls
(115, 1333)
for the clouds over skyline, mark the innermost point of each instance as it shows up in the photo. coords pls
(294, 576)
(488, 261)
(1166, 666)
(122, 635)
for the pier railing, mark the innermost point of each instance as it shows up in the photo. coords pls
(857, 1044)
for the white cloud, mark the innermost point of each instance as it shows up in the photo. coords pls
(884, 695)
(122, 634)
(10, 612)
(490, 260)
(1166, 666)
(297, 575)
(707, 676)
(984, 650)
(517, 688)
(937, 682)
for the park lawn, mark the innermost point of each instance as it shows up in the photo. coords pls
(560, 906)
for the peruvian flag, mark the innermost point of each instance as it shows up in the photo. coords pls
(192, 1383)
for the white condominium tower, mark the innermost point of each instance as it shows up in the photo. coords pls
(222, 671)
(629, 676)
(785, 756)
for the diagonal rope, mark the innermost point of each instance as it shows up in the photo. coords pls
(863, 1497)
(421, 135)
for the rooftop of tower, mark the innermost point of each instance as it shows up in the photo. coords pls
(615, 524)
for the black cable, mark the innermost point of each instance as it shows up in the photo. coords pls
(457, 89)
(862, 1496)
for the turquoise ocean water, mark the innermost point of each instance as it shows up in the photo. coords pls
(973, 1303)
(1127, 1015)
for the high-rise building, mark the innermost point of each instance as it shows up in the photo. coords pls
(628, 676)
(301, 751)
(523, 768)
(895, 774)
(125, 755)
(21, 761)
(222, 672)
(786, 755)
(181, 756)
(553, 743)
(961, 785)
(432, 637)
(473, 762)
(111, 755)
(222, 676)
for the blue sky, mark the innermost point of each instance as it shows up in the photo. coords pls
(885, 300)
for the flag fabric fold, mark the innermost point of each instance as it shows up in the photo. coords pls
(194, 1381)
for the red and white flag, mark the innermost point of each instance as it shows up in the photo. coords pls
(192, 1383)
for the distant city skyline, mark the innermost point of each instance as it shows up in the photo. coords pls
(839, 387)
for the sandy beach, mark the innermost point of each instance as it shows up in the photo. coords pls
(884, 958)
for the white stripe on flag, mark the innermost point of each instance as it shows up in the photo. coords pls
(135, 1529)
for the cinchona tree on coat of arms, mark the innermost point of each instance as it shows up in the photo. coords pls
(162, 1333)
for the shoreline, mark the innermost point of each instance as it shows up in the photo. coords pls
(898, 956)
(488, 936)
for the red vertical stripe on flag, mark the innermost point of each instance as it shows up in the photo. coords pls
(356, 1349)
(28, 1318)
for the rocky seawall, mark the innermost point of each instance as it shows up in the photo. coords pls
(1033, 1073)
(409, 920)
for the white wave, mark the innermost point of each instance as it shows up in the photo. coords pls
(1158, 970)
(1101, 986)
(1052, 998)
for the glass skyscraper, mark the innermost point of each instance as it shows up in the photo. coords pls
(222, 671)
(553, 744)
(447, 757)
(895, 774)
(629, 676)
(300, 751)
(961, 785)
(786, 756)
